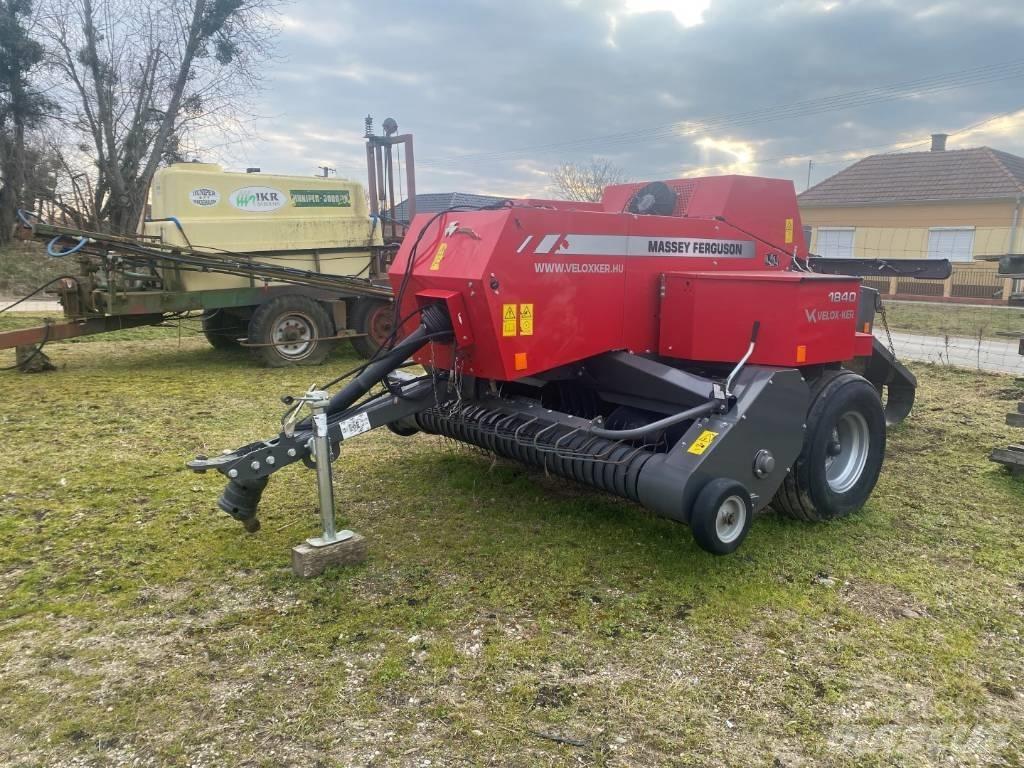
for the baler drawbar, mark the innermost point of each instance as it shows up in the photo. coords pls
(668, 345)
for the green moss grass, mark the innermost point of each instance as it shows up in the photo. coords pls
(499, 611)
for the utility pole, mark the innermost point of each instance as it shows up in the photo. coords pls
(810, 164)
(326, 170)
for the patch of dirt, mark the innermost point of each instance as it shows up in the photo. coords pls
(553, 695)
(876, 723)
(883, 602)
(1010, 393)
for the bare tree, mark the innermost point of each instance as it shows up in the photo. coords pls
(22, 108)
(585, 182)
(144, 80)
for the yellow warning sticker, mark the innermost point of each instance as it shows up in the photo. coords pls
(789, 231)
(704, 439)
(526, 319)
(438, 257)
(508, 320)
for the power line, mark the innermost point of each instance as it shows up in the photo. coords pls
(843, 154)
(902, 146)
(904, 89)
(770, 116)
(798, 109)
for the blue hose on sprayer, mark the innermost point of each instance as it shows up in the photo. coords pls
(26, 218)
(60, 254)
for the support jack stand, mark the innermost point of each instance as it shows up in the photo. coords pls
(332, 547)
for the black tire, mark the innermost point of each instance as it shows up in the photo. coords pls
(402, 430)
(846, 406)
(300, 327)
(721, 516)
(375, 318)
(221, 329)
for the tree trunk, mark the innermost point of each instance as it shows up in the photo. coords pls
(12, 167)
(7, 207)
(7, 201)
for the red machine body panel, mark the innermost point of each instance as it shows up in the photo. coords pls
(765, 207)
(534, 286)
(804, 318)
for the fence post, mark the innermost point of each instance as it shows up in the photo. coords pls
(892, 286)
(947, 286)
(1007, 289)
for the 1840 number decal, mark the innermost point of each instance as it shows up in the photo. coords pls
(842, 297)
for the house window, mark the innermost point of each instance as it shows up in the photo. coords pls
(835, 242)
(953, 243)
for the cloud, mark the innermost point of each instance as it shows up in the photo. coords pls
(1000, 131)
(739, 157)
(687, 12)
(498, 93)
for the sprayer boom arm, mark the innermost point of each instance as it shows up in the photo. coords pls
(159, 254)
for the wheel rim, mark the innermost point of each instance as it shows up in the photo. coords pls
(847, 454)
(380, 324)
(731, 517)
(294, 335)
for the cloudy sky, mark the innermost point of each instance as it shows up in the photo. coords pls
(498, 92)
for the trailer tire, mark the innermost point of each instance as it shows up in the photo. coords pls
(721, 516)
(844, 446)
(221, 329)
(301, 323)
(375, 318)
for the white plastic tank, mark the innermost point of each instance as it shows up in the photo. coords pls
(298, 221)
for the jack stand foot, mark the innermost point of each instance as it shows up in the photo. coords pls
(309, 561)
(321, 541)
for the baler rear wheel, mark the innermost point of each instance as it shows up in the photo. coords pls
(721, 515)
(844, 445)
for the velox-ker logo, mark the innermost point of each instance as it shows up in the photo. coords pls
(204, 197)
(825, 315)
(257, 199)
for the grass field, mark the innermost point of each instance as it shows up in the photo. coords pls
(500, 610)
(24, 266)
(955, 319)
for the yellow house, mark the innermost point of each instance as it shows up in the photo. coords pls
(962, 205)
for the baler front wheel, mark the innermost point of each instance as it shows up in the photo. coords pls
(721, 515)
(844, 445)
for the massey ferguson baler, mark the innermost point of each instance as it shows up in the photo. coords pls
(667, 345)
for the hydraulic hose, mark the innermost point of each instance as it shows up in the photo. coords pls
(435, 325)
(53, 253)
(240, 499)
(654, 426)
(377, 370)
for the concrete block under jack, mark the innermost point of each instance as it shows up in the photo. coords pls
(309, 561)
